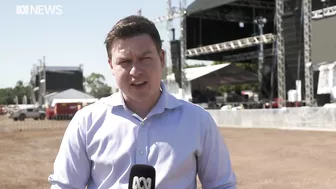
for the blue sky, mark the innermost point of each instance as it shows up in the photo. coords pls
(75, 37)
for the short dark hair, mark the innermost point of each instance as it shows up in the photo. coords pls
(132, 26)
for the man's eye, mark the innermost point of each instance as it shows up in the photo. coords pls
(146, 58)
(124, 61)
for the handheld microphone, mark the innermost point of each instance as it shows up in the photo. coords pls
(142, 177)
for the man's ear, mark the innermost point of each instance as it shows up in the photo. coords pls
(111, 66)
(163, 58)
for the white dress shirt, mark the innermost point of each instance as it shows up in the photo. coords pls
(179, 139)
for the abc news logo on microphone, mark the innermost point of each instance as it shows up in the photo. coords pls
(39, 10)
(141, 183)
(142, 177)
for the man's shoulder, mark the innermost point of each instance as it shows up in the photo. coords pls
(194, 115)
(191, 108)
(99, 107)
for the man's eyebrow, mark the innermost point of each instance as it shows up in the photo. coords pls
(146, 53)
(122, 57)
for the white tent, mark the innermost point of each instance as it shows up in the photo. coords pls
(69, 95)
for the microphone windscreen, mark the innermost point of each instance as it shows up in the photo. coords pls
(142, 177)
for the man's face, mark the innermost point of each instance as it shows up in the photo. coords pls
(137, 67)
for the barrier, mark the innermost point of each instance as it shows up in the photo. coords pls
(9, 125)
(305, 118)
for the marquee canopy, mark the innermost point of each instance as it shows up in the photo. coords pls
(218, 75)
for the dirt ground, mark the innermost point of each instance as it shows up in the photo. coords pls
(262, 158)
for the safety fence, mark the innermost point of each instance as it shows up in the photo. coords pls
(29, 124)
(305, 118)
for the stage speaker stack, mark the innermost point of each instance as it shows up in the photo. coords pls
(294, 44)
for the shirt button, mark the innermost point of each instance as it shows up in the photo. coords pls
(141, 152)
(142, 123)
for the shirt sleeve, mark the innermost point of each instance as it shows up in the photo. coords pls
(71, 166)
(214, 164)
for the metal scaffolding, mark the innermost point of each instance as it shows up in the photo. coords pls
(42, 81)
(169, 25)
(276, 38)
(183, 40)
(280, 52)
(260, 22)
(325, 12)
(309, 83)
(231, 45)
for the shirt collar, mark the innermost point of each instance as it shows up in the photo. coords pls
(166, 100)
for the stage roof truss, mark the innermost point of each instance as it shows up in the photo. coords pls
(202, 5)
(231, 45)
(216, 15)
(177, 13)
(326, 12)
(254, 4)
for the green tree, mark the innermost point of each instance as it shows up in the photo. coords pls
(7, 95)
(21, 90)
(96, 86)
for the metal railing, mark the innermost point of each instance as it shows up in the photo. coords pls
(301, 118)
(10, 125)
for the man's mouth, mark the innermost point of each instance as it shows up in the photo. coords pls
(140, 83)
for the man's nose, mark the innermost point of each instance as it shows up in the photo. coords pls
(135, 70)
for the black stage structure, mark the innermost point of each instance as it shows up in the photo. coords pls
(226, 30)
(211, 22)
(50, 79)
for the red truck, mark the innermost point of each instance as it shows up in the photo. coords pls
(2, 110)
(63, 111)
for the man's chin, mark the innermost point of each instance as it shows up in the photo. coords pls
(141, 97)
(138, 96)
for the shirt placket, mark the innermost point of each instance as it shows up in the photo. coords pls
(142, 147)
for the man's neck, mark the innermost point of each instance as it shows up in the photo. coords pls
(143, 108)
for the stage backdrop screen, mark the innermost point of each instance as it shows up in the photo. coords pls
(59, 81)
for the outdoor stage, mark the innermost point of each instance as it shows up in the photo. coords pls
(281, 37)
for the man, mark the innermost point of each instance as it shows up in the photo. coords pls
(141, 124)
